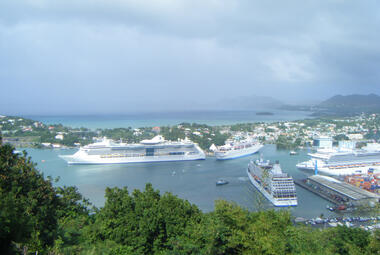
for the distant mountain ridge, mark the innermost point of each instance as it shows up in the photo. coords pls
(349, 105)
(371, 100)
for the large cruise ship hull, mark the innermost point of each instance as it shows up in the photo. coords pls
(337, 171)
(154, 150)
(275, 202)
(238, 153)
(96, 159)
(344, 162)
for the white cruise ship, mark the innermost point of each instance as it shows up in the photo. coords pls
(154, 150)
(275, 185)
(237, 149)
(344, 162)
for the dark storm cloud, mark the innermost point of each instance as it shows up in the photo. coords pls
(128, 55)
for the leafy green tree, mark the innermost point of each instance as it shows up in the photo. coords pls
(144, 222)
(172, 133)
(73, 217)
(28, 203)
(374, 244)
(14, 223)
(298, 142)
(285, 142)
(343, 240)
(341, 137)
(230, 229)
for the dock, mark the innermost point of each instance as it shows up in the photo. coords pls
(302, 184)
(336, 191)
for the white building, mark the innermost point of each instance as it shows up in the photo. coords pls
(355, 136)
(323, 142)
(59, 137)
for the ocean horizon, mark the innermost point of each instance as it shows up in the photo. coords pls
(150, 119)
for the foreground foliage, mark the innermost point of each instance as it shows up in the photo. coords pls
(35, 216)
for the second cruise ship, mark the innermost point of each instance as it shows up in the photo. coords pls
(153, 150)
(344, 161)
(237, 149)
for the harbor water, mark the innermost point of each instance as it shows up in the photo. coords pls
(191, 180)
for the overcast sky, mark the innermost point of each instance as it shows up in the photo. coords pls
(115, 56)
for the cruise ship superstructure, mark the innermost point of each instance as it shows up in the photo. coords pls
(338, 161)
(275, 185)
(237, 149)
(156, 149)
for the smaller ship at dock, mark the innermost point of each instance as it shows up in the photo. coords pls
(236, 149)
(275, 185)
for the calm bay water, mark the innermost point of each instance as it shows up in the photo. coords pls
(169, 118)
(191, 180)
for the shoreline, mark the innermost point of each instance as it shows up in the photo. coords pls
(285, 134)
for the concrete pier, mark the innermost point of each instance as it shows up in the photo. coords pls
(338, 192)
(311, 189)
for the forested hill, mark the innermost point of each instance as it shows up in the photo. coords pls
(351, 104)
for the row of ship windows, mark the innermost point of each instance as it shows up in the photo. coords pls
(283, 189)
(285, 192)
(351, 166)
(142, 155)
(283, 182)
(283, 185)
(236, 147)
(279, 197)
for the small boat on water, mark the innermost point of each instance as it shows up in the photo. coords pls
(221, 182)
(292, 153)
